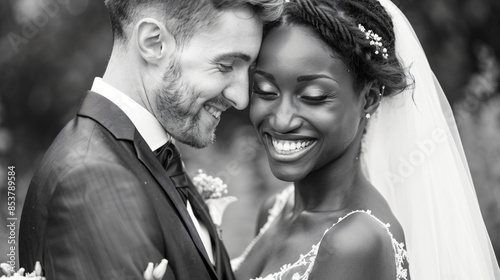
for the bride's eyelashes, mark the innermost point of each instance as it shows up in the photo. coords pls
(316, 98)
(308, 98)
(264, 94)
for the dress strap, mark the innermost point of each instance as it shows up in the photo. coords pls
(279, 203)
(400, 252)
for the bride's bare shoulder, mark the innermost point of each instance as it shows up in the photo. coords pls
(357, 240)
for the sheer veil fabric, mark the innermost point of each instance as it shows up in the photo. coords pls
(413, 155)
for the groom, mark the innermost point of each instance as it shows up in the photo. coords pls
(103, 202)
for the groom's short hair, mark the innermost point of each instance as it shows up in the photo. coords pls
(183, 17)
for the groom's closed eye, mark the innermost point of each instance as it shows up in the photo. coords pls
(228, 61)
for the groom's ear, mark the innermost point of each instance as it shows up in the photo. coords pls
(154, 40)
(371, 95)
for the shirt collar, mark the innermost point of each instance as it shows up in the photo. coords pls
(148, 126)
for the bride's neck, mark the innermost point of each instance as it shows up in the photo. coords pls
(331, 187)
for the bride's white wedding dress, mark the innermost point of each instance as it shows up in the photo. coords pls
(300, 269)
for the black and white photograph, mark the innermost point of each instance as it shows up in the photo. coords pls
(249, 139)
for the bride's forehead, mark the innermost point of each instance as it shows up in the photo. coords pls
(294, 40)
(294, 45)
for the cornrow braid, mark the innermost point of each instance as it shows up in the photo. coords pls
(324, 21)
(376, 13)
(336, 22)
(374, 17)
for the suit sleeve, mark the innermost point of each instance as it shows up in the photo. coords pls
(101, 225)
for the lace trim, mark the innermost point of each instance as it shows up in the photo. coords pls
(400, 254)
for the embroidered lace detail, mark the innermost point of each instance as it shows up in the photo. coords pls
(301, 269)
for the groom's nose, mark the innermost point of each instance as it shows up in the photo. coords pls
(237, 93)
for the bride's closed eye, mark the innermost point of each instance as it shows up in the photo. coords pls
(264, 94)
(264, 91)
(316, 96)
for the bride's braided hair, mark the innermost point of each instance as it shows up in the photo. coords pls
(336, 21)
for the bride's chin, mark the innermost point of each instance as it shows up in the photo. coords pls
(287, 174)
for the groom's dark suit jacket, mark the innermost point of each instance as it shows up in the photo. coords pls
(101, 207)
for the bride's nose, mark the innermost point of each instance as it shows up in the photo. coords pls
(284, 117)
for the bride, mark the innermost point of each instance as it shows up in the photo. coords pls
(349, 111)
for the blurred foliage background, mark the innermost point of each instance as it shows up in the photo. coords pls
(50, 51)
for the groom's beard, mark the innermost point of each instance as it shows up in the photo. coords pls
(176, 102)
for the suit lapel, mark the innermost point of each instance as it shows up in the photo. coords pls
(202, 213)
(222, 261)
(149, 160)
(112, 118)
(106, 113)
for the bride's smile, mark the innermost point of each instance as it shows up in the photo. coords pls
(287, 147)
(303, 104)
(282, 149)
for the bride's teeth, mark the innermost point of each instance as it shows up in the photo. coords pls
(288, 146)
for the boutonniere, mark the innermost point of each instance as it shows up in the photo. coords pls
(212, 190)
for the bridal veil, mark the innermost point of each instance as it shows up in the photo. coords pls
(413, 155)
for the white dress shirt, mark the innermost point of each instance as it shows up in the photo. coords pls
(155, 136)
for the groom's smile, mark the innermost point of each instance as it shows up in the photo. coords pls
(210, 75)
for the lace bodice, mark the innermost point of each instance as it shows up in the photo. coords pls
(301, 269)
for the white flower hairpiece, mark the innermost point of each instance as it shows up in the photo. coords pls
(375, 40)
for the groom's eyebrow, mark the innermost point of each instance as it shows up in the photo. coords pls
(239, 55)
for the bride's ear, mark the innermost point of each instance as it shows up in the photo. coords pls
(372, 96)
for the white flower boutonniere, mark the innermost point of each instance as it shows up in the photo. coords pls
(212, 190)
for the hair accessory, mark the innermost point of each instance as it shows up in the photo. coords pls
(375, 40)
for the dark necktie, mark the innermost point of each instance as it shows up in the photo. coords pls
(170, 159)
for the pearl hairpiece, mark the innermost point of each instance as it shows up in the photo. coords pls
(375, 40)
